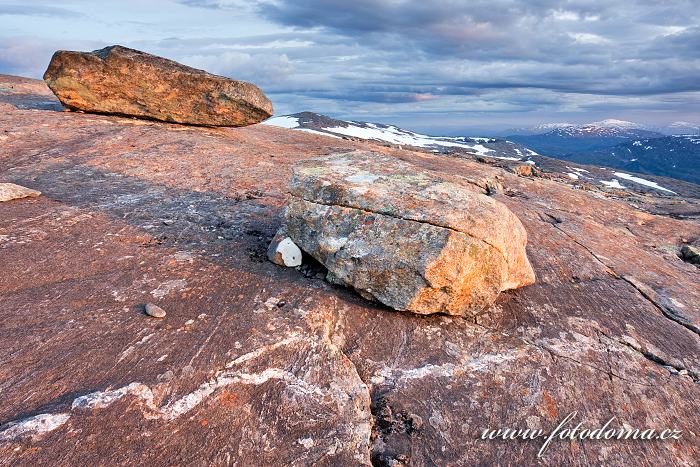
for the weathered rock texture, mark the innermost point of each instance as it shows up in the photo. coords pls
(10, 191)
(137, 211)
(122, 81)
(691, 254)
(410, 239)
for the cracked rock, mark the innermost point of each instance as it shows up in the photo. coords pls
(123, 81)
(409, 240)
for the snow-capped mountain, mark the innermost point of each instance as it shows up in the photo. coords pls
(661, 157)
(614, 123)
(605, 126)
(537, 129)
(320, 124)
(671, 156)
(560, 139)
(680, 128)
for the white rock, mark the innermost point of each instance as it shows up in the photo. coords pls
(284, 251)
(33, 426)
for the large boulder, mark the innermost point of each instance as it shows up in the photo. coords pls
(123, 81)
(410, 240)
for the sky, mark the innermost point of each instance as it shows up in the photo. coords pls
(442, 67)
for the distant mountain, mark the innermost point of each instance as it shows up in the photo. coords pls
(537, 129)
(604, 127)
(671, 156)
(560, 139)
(498, 152)
(321, 124)
(609, 127)
(680, 128)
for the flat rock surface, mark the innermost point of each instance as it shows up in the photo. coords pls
(10, 191)
(123, 81)
(258, 364)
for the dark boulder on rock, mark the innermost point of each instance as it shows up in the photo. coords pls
(690, 254)
(122, 81)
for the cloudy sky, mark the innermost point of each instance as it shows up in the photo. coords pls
(440, 66)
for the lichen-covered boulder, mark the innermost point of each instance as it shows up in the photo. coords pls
(410, 240)
(122, 81)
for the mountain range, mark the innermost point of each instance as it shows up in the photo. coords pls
(668, 156)
(560, 139)
(619, 144)
(320, 124)
(609, 127)
(508, 152)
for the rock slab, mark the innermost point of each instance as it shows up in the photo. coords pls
(284, 384)
(122, 81)
(410, 240)
(10, 191)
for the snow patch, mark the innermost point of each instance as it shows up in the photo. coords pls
(613, 184)
(394, 135)
(642, 181)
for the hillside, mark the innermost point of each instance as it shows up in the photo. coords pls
(568, 139)
(671, 156)
(321, 124)
(490, 150)
(255, 361)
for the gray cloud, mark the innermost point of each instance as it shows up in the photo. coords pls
(494, 51)
(446, 62)
(37, 10)
(29, 56)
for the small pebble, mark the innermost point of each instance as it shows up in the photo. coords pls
(683, 372)
(155, 311)
(283, 251)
